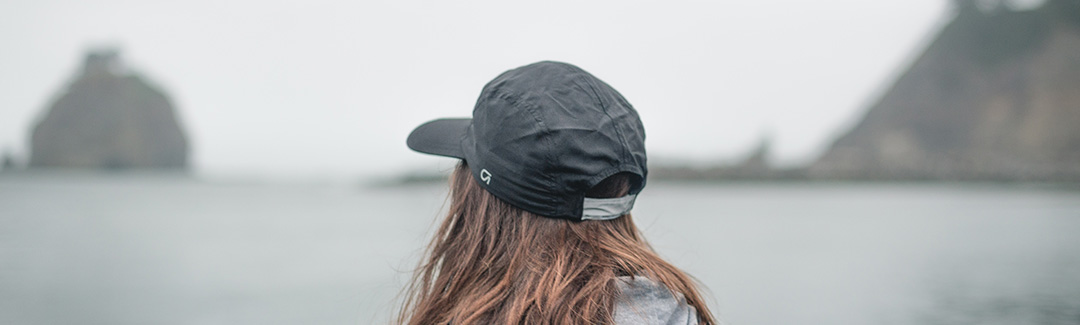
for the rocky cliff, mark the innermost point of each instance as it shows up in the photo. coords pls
(996, 95)
(109, 118)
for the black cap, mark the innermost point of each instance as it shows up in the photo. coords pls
(542, 135)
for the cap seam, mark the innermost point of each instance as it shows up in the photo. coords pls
(604, 108)
(515, 100)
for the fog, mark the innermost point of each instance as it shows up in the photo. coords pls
(954, 201)
(331, 88)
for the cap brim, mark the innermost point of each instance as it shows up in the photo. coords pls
(440, 137)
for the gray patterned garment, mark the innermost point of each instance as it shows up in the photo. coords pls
(644, 301)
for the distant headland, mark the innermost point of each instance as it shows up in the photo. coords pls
(994, 97)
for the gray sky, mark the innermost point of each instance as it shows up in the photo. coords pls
(332, 88)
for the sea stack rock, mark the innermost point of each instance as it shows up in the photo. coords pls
(995, 96)
(109, 118)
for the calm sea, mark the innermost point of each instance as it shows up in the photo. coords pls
(164, 250)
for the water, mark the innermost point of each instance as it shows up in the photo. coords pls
(138, 250)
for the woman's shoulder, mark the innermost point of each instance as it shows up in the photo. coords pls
(644, 301)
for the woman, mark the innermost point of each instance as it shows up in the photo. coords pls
(539, 229)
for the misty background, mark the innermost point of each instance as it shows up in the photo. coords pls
(243, 162)
(331, 88)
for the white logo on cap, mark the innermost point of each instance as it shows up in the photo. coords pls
(485, 176)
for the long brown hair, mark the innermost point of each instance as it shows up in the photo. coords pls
(492, 263)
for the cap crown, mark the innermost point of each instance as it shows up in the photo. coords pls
(543, 134)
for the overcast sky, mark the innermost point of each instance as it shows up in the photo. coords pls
(332, 88)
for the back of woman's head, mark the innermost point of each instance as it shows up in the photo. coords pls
(492, 263)
(539, 230)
